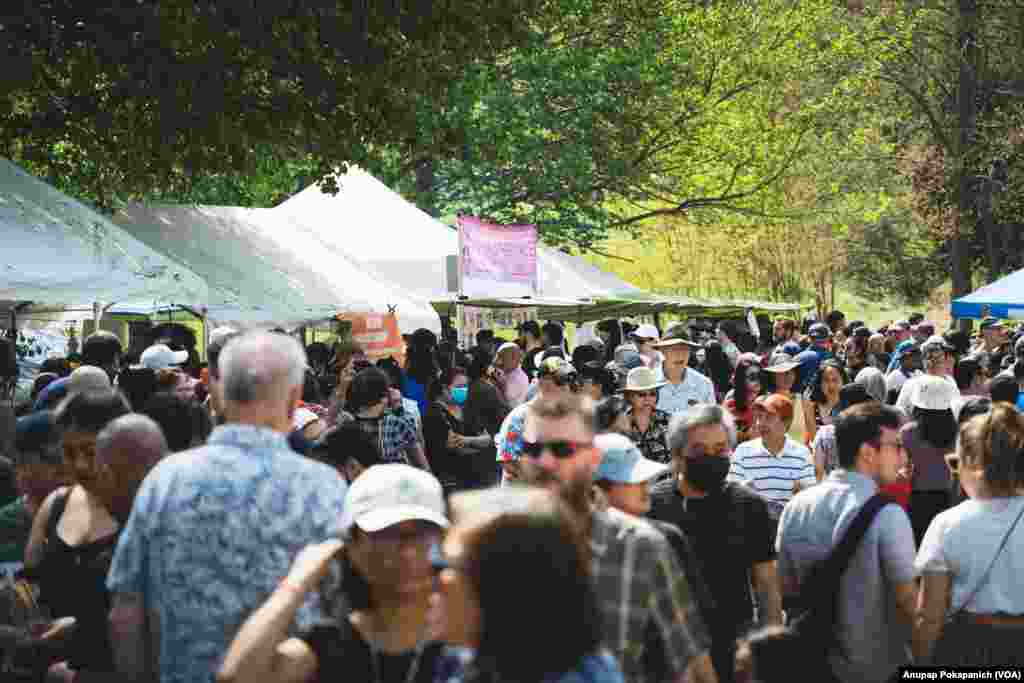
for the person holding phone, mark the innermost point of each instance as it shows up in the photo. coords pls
(379, 628)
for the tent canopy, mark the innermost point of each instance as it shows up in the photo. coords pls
(1004, 298)
(406, 246)
(401, 243)
(59, 251)
(262, 269)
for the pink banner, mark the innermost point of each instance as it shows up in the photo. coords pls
(497, 260)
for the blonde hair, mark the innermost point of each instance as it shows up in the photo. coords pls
(995, 443)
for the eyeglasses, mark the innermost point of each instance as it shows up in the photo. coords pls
(559, 449)
(646, 394)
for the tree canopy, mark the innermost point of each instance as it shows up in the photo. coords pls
(130, 96)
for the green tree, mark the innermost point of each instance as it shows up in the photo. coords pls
(620, 112)
(123, 98)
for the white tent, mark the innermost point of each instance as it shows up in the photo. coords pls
(58, 251)
(261, 269)
(401, 243)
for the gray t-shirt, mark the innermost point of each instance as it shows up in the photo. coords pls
(962, 542)
(874, 642)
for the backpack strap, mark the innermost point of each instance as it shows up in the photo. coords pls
(838, 561)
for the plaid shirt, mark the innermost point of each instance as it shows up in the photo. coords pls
(640, 585)
(654, 442)
(392, 433)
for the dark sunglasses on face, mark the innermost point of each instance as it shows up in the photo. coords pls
(754, 376)
(646, 394)
(559, 449)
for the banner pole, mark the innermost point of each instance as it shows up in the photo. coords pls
(460, 332)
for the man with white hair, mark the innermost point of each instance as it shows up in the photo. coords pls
(213, 530)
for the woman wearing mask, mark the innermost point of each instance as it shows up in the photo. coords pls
(449, 446)
(378, 630)
(823, 397)
(525, 537)
(970, 607)
(746, 387)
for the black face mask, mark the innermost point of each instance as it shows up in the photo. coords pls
(707, 472)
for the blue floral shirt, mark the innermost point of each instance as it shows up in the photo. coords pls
(212, 532)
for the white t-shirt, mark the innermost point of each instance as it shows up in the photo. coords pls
(962, 542)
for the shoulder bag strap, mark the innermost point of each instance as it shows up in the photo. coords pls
(984, 577)
(839, 559)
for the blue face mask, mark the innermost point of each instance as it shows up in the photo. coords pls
(459, 395)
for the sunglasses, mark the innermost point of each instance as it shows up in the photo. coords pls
(754, 376)
(559, 449)
(645, 394)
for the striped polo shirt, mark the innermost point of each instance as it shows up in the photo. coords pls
(773, 476)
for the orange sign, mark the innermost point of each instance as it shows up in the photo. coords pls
(378, 334)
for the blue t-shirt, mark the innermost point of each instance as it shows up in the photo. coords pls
(413, 390)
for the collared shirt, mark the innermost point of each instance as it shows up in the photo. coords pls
(773, 475)
(872, 636)
(653, 443)
(640, 585)
(212, 532)
(679, 398)
(393, 434)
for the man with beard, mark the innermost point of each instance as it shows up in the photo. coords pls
(640, 585)
(729, 527)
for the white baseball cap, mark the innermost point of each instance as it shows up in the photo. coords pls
(385, 495)
(160, 357)
(645, 331)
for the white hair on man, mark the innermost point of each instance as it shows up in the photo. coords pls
(261, 366)
(700, 415)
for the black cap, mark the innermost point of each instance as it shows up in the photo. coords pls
(819, 332)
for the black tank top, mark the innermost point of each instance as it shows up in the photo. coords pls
(72, 583)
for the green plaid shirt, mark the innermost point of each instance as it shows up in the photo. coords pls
(639, 584)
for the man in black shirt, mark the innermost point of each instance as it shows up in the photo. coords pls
(728, 526)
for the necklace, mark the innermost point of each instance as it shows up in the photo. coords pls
(414, 665)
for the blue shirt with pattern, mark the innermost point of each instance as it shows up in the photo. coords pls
(212, 532)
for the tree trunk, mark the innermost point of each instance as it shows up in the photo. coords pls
(966, 115)
(425, 181)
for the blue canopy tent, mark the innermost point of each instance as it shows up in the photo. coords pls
(1004, 298)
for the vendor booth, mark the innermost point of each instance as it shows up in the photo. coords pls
(1004, 299)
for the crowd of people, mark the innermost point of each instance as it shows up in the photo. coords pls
(816, 499)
